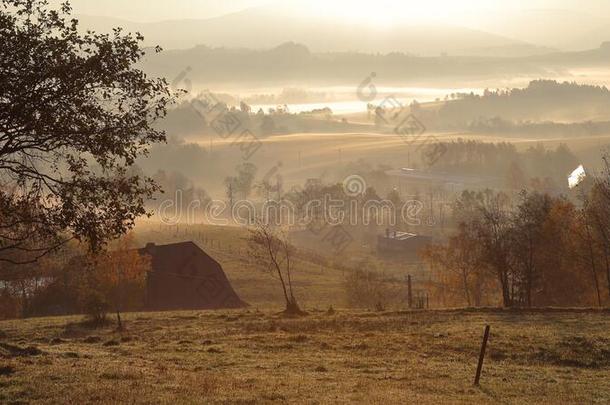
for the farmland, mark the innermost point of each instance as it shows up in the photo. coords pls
(330, 156)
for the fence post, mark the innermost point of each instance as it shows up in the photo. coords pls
(482, 355)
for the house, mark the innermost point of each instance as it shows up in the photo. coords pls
(402, 244)
(183, 276)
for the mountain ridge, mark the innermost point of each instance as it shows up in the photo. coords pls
(257, 28)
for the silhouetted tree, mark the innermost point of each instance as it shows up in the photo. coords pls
(74, 115)
(272, 250)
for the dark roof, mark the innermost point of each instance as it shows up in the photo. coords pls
(183, 276)
(175, 256)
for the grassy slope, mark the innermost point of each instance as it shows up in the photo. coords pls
(252, 357)
(318, 279)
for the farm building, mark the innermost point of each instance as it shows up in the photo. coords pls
(402, 244)
(183, 276)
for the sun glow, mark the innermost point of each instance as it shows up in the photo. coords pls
(380, 13)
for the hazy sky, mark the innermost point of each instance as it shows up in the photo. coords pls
(379, 10)
(557, 24)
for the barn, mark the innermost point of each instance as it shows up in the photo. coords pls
(183, 276)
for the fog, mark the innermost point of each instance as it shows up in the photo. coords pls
(304, 201)
(316, 82)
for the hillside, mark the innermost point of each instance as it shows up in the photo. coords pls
(318, 279)
(296, 63)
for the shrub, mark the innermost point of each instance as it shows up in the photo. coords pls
(96, 307)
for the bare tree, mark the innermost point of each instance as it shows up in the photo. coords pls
(587, 238)
(271, 249)
(528, 237)
(461, 264)
(493, 229)
(599, 211)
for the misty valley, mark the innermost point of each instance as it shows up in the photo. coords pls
(304, 202)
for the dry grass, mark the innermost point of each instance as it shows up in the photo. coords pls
(347, 357)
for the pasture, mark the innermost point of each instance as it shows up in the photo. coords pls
(253, 356)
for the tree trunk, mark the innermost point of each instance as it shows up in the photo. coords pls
(478, 294)
(118, 320)
(292, 308)
(530, 275)
(592, 264)
(286, 297)
(607, 270)
(465, 281)
(506, 300)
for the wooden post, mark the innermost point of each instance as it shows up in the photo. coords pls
(409, 292)
(482, 355)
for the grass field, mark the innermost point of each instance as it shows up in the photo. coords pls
(249, 357)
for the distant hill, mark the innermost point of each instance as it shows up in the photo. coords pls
(556, 28)
(261, 28)
(291, 62)
(593, 57)
(542, 100)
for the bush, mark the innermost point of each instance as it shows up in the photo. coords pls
(96, 307)
(367, 289)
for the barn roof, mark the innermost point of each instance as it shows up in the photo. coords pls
(175, 256)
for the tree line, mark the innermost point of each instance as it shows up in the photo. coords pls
(75, 281)
(539, 250)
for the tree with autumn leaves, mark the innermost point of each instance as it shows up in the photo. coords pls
(78, 282)
(115, 280)
(537, 251)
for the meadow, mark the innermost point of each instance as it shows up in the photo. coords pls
(252, 356)
(332, 355)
